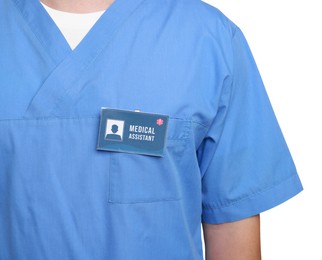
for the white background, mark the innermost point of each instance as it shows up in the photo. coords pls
(286, 40)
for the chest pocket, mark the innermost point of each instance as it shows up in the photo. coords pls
(138, 178)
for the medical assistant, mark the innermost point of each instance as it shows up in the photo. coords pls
(225, 157)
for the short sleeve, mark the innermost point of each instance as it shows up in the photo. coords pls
(245, 162)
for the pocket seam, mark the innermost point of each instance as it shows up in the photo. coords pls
(183, 140)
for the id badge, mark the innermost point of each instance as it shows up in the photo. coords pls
(132, 132)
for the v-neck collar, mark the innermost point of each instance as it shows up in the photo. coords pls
(47, 32)
(70, 64)
(74, 26)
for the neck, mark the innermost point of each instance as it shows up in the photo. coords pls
(78, 6)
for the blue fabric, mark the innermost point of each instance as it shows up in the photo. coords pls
(225, 156)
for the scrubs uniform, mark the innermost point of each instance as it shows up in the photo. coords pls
(225, 158)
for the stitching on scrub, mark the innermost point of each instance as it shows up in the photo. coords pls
(55, 118)
(190, 120)
(209, 206)
(144, 201)
(48, 119)
(186, 129)
(189, 130)
(111, 161)
(201, 124)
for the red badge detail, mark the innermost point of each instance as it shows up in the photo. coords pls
(159, 122)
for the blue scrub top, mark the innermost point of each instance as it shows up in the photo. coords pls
(60, 198)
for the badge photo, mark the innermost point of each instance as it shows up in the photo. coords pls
(114, 130)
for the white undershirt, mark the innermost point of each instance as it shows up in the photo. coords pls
(73, 26)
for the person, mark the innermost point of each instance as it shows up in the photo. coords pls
(113, 135)
(225, 159)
